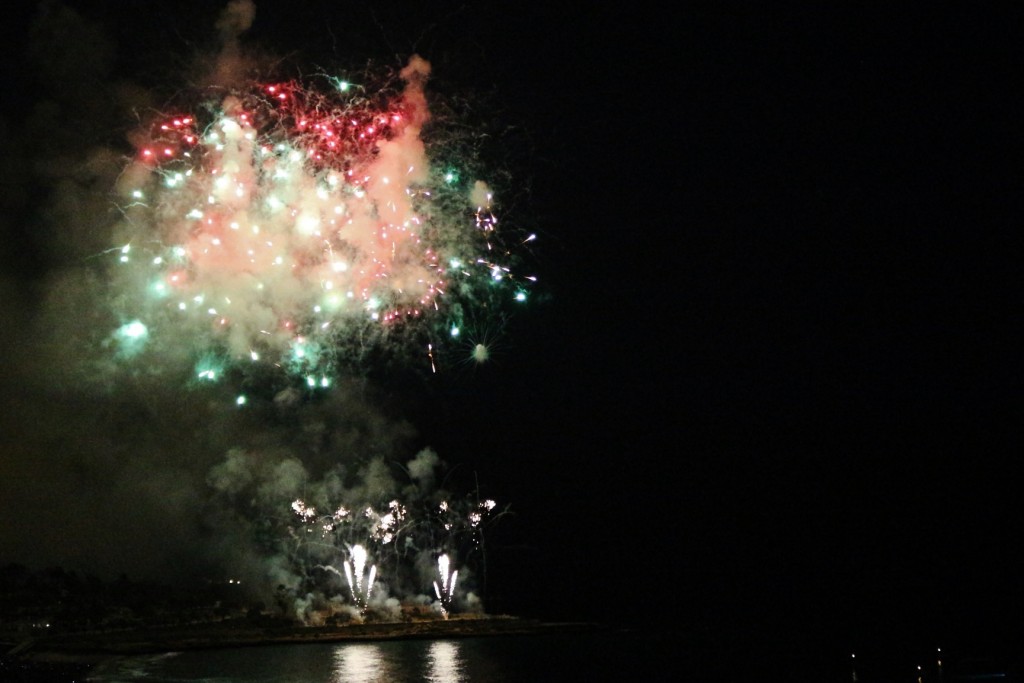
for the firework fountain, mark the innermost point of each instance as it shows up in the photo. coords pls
(396, 536)
(446, 591)
(359, 585)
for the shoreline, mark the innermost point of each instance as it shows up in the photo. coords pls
(94, 647)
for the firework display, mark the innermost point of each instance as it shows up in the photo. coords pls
(253, 281)
(303, 225)
(396, 540)
(284, 235)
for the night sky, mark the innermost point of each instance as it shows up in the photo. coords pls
(771, 373)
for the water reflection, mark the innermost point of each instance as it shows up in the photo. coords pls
(589, 656)
(445, 663)
(361, 663)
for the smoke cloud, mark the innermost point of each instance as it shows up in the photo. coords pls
(235, 20)
(118, 454)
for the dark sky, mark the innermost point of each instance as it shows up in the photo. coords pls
(775, 376)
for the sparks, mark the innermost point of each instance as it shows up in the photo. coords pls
(445, 592)
(293, 191)
(360, 584)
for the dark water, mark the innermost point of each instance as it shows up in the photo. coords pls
(552, 657)
(607, 655)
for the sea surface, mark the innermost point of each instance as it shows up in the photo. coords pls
(605, 656)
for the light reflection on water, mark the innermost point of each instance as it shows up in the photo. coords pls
(361, 663)
(445, 662)
(591, 657)
(367, 663)
(438, 661)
